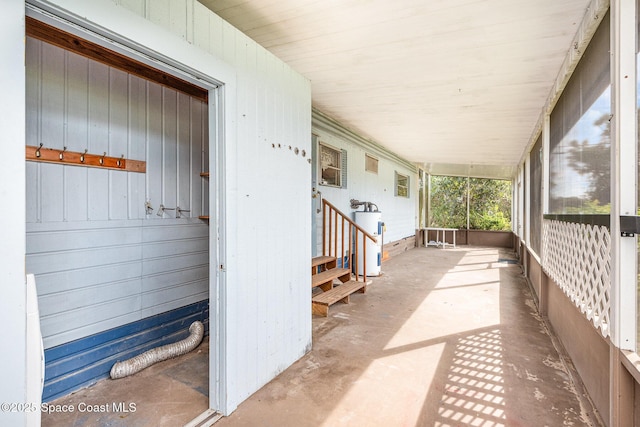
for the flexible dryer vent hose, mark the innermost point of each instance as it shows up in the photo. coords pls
(158, 354)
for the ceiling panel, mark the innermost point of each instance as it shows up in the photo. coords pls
(455, 82)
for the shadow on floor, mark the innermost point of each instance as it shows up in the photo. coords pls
(443, 338)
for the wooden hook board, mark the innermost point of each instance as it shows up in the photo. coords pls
(50, 155)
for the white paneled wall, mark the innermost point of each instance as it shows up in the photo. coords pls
(100, 260)
(398, 213)
(81, 104)
(265, 191)
(14, 370)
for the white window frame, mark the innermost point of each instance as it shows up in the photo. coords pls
(370, 160)
(322, 166)
(397, 186)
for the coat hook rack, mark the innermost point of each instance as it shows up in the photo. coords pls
(51, 155)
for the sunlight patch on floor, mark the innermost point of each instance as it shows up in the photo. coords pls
(391, 390)
(462, 303)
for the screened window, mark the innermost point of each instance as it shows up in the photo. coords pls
(370, 163)
(402, 185)
(448, 207)
(579, 170)
(331, 166)
(535, 196)
(489, 204)
(488, 201)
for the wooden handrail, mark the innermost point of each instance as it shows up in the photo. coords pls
(330, 240)
(370, 236)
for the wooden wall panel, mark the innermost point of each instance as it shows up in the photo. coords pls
(76, 94)
(76, 190)
(32, 202)
(51, 198)
(118, 142)
(198, 150)
(60, 283)
(80, 269)
(169, 148)
(184, 150)
(137, 142)
(98, 194)
(154, 145)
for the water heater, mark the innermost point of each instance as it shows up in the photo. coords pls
(371, 222)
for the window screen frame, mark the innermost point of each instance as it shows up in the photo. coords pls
(340, 166)
(589, 82)
(370, 160)
(536, 171)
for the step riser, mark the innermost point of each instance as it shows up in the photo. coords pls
(342, 274)
(320, 303)
(324, 273)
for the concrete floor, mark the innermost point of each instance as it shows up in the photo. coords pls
(167, 394)
(443, 338)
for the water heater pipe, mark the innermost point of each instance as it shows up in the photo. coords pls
(158, 354)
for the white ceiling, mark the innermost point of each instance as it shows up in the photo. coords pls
(455, 84)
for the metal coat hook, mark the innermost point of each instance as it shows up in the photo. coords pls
(61, 155)
(102, 158)
(162, 209)
(179, 211)
(38, 150)
(82, 155)
(120, 161)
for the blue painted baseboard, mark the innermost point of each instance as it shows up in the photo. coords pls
(83, 362)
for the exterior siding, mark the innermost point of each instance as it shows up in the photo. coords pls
(398, 213)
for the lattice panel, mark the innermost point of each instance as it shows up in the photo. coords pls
(578, 258)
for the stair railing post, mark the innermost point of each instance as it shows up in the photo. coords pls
(335, 235)
(356, 256)
(330, 229)
(350, 246)
(342, 243)
(364, 259)
(324, 228)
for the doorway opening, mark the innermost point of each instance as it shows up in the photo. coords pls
(122, 258)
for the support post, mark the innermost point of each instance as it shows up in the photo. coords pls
(623, 202)
(623, 172)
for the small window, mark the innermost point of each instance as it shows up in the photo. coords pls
(402, 185)
(370, 164)
(330, 166)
